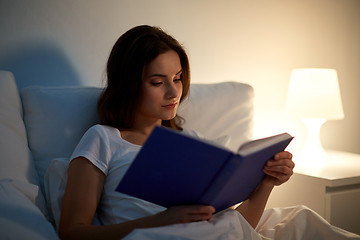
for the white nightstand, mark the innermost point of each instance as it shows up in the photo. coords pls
(332, 189)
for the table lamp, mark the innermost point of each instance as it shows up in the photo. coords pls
(314, 96)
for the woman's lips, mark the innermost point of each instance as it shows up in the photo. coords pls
(170, 106)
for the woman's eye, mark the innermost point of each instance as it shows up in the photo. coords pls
(156, 83)
(177, 80)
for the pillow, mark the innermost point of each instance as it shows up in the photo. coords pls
(220, 109)
(15, 156)
(55, 119)
(16, 162)
(222, 141)
(19, 216)
(54, 185)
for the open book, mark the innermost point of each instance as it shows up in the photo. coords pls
(176, 169)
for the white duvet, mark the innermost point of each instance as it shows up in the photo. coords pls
(293, 223)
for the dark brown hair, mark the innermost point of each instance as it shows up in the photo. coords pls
(131, 53)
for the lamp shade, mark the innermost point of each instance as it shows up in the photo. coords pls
(314, 93)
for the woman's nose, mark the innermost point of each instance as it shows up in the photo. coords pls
(171, 91)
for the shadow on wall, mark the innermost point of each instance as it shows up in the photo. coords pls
(39, 64)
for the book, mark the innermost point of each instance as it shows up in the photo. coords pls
(176, 169)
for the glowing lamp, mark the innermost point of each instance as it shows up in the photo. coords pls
(314, 96)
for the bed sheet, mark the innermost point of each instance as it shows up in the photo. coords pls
(296, 223)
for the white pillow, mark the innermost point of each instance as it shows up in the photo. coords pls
(15, 157)
(55, 119)
(54, 184)
(220, 109)
(19, 216)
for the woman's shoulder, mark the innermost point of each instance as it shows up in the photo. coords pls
(109, 134)
(103, 129)
(101, 133)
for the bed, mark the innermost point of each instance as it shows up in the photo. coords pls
(40, 126)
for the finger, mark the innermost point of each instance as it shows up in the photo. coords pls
(283, 155)
(198, 217)
(279, 171)
(196, 209)
(201, 209)
(200, 213)
(284, 169)
(282, 162)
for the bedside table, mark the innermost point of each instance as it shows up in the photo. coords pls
(331, 188)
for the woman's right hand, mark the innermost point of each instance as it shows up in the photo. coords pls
(186, 214)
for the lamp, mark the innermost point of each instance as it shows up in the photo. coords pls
(314, 96)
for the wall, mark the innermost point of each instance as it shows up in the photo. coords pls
(258, 42)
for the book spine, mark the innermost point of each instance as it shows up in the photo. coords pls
(220, 184)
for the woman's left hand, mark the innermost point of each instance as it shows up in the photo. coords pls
(279, 169)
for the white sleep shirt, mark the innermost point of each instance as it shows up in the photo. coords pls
(103, 146)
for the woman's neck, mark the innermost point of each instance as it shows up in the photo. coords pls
(139, 133)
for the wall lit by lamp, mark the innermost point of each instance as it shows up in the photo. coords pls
(314, 97)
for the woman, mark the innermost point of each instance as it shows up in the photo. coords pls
(148, 77)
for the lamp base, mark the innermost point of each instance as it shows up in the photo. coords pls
(313, 150)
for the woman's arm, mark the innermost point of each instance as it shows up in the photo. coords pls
(82, 196)
(278, 171)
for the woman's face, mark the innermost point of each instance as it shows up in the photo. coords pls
(161, 88)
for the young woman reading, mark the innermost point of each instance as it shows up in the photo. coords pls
(148, 76)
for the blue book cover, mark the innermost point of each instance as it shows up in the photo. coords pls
(176, 169)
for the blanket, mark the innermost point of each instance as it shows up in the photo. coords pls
(296, 223)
